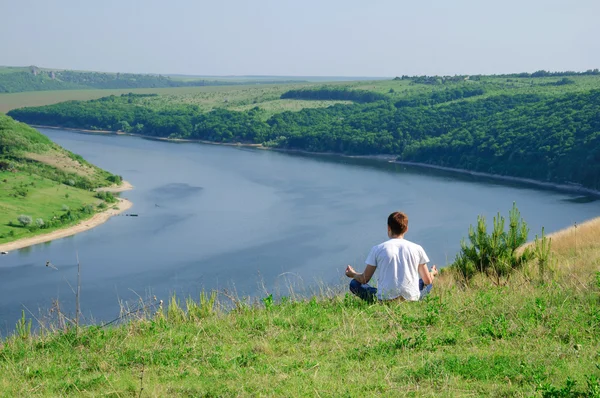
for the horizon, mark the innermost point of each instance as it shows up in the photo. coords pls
(336, 38)
(167, 74)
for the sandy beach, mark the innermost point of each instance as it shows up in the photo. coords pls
(98, 219)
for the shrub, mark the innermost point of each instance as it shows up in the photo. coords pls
(494, 254)
(24, 220)
(115, 179)
(106, 196)
(39, 222)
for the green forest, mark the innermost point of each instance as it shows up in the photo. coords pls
(540, 127)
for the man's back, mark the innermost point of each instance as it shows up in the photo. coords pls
(397, 261)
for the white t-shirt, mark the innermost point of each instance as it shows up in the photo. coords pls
(397, 262)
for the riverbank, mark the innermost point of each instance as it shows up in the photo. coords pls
(572, 188)
(96, 220)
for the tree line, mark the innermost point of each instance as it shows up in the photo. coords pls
(73, 80)
(544, 137)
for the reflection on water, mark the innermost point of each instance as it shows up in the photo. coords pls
(250, 221)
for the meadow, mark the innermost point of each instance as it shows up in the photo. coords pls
(44, 187)
(207, 97)
(39, 198)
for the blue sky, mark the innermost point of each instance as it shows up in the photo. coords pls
(309, 37)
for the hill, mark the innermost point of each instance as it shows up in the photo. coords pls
(20, 79)
(44, 187)
(532, 336)
(540, 126)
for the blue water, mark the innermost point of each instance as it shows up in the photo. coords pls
(249, 222)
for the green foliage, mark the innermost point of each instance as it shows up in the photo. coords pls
(42, 80)
(495, 253)
(24, 220)
(106, 196)
(268, 301)
(570, 390)
(534, 127)
(335, 93)
(23, 327)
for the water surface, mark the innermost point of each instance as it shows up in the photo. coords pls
(250, 221)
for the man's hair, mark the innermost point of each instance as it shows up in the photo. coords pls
(398, 222)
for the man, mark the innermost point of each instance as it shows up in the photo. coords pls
(403, 273)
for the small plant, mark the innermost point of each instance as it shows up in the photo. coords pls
(39, 222)
(23, 327)
(65, 208)
(542, 253)
(494, 254)
(268, 301)
(569, 389)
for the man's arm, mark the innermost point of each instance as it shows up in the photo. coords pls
(426, 275)
(363, 278)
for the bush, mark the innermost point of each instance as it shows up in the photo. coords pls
(494, 254)
(39, 222)
(115, 179)
(106, 196)
(25, 220)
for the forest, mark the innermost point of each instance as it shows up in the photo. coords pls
(533, 133)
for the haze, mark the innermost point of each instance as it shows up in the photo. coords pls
(318, 38)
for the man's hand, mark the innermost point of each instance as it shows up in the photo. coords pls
(434, 270)
(350, 272)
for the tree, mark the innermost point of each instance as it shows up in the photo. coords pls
(25, 220)
(494, 254)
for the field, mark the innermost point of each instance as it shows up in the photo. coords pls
(532, 336)
(244, 97)
(208, 97)
(43, 199)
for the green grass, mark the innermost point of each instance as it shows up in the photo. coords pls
(38, 178)
(208, 97)
(524, 339)
(43, 198)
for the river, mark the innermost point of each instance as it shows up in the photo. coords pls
(248, 221)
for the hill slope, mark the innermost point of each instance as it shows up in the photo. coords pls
(47, 184)
(20, 79)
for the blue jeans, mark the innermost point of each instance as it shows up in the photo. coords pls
(369, 293)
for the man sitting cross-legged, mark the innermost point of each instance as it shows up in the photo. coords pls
(402, 265)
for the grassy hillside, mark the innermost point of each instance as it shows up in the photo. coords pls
(530, 337)
(240, 97)
(43, 181)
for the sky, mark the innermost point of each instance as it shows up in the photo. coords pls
(302, 38)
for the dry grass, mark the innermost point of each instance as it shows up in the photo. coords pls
(62, 162)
